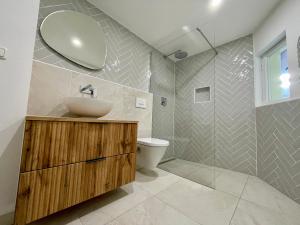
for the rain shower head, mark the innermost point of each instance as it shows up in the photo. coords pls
(178, 54)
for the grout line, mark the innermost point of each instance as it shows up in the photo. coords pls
(142, 202)
(237, 204)
(134, 206)
(245, 186)
(239, 201)
(126, 211)
(151, 195)
(161, 200)
(175, 182)
(156, 196)
(178, 210)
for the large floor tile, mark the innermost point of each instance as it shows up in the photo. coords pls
(204, 205)
(179, 167)
(153, 212)
(292, 219)
(248, 213)
(55, 221)
(161, 198)
(204, 176)
(221, 179)
(95, 217)
(261, 193)
(155, 180)
(122, 200)
(67, 217)
(264, 194)
(230, 182)
(290, 208)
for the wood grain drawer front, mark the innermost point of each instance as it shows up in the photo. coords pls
(46, 144)
(44, 192)
(103, 140)
(49, 144)
(119, 139)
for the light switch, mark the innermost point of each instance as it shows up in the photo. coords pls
(3, 53)
(140, 103)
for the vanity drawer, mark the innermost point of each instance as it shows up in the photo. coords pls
(44, 192)
(102, 140)
(48, 143)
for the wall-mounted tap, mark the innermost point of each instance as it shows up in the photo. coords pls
(88, 90)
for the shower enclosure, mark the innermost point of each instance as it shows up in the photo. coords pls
(184, 113)
(204, 105)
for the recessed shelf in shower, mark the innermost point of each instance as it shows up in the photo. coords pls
(202, 94)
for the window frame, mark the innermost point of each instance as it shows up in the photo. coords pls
(265, 81)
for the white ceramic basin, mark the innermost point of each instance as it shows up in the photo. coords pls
(88, 107)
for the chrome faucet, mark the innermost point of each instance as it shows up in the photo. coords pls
(88, 90)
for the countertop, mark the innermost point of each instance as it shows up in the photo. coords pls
(74, 119)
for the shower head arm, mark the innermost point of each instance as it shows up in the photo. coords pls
(206, 39)
(179, 54)
(173, 53)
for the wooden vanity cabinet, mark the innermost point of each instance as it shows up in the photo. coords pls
(68, 161)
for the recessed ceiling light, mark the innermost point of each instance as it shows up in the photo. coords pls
(215, 3)
(186, 28)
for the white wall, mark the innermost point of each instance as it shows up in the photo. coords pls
(18, 21)
(285, 18)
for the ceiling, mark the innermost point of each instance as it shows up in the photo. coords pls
(169, 25)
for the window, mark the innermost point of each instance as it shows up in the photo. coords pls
(276, 73)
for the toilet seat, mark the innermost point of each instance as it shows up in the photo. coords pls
(154, 142)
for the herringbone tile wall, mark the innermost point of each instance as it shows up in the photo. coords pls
(224, 128)
(278, 146)
(163, 85)
(194, 123)
(128, 58)
(235, 134)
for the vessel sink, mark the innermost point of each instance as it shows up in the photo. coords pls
(88, 107)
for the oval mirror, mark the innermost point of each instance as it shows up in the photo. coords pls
(76, 36)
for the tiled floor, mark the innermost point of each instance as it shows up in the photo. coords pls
(162, 198)
(213, 177)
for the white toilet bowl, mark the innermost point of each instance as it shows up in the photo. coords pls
(150, 152)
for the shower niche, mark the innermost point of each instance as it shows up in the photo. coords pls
(202, 95)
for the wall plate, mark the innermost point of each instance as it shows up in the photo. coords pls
(140, 103)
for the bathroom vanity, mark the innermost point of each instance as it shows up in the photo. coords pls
(66, 161)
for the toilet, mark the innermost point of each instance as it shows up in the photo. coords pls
(150, 152)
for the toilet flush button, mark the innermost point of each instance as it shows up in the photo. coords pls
(140, 103)
(3, 52)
